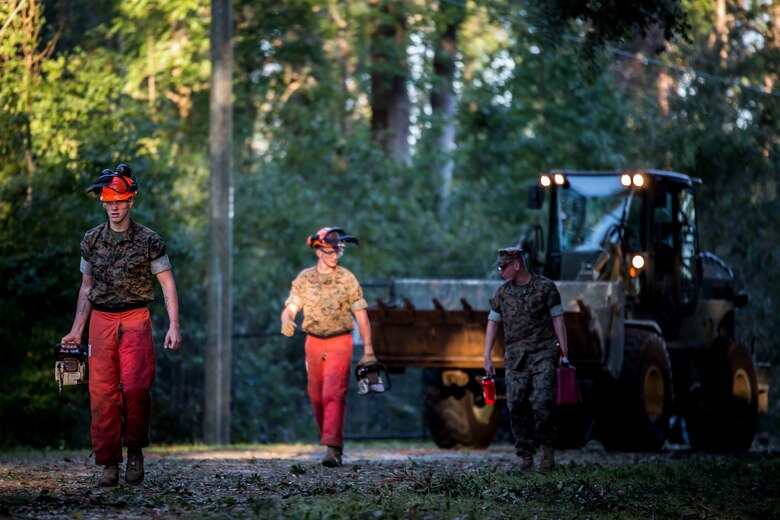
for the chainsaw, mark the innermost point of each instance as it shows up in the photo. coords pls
(369, 378)
(70, 364)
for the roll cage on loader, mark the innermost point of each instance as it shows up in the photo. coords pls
(650, 321)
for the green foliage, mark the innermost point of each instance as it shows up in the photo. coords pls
(614, 21)
(725, 135)
(98, 83)
(71, 119)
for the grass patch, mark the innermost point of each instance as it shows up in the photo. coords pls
(717, 487)
(287, 485)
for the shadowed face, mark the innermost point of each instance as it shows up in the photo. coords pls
(329, 256)
(509, 269)
(118, 211)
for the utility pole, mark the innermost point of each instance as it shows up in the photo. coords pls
(216, 422)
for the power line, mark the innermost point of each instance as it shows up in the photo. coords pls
(687, 70)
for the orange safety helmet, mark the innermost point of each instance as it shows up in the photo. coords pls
(330, 237)
(115, 185)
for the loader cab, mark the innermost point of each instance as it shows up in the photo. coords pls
(635, 226)
(672, 274)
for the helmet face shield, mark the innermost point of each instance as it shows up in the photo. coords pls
(331, 237)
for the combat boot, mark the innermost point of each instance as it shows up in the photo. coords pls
(332, 457)
(527, 462)
(134, 471)
(110, 476)
(547, 461)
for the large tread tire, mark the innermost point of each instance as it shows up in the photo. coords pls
(637, 413)
(722, 418)
(457, 416)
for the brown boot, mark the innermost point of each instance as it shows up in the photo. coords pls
(110, 476)
(547, 462)
(527, 462)
(332, 457)
(134, 471)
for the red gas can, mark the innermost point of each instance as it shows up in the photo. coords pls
(568, 391)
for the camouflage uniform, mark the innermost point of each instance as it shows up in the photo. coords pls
(530, 357)
(328, 301)
(122, 266)
(121, 349)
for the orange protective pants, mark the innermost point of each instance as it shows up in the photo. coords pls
(121, 373)
(327, 364)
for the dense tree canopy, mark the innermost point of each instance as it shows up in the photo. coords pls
(84, 85)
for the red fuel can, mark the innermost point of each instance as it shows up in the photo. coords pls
(568, 392)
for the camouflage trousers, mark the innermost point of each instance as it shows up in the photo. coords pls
(530, 385)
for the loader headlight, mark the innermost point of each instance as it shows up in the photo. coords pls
(545, 181)
(637, 264)
(637, 180)
(559, 179)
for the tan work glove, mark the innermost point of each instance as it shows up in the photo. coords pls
(367, 359)
(288, 328)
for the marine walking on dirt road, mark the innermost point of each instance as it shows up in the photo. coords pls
(118, 260)
(329, 295)
(529, 308)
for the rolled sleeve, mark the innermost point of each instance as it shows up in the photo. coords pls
(495, 316)
(359, 305)
(85, 267)
(160, 265)
(297, 288)
(554, 300)
(295, 300)
(556, 310)
(354, 292)
(156, 247)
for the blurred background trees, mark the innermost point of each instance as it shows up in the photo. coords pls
(415, 125)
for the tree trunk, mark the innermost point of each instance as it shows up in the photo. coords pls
(665, 84)
(719, 38)
(444, 102)
(776, 24)
(216, 424)
(344, 50)
(389, 97)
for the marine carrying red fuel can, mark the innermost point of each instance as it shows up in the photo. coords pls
(489, 389)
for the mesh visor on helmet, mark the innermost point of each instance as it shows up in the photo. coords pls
(331, 237)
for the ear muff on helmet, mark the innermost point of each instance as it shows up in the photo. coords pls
(330, 237)
(115, 185)
(125, 171)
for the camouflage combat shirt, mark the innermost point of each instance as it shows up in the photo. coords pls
(122, 266)
(526, 312)
(327, 300)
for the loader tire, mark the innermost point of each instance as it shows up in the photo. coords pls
(636, 414)
(457, 416)
(722, 418)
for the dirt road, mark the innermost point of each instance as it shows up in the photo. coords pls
(186, 483)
